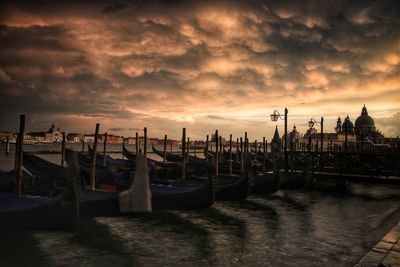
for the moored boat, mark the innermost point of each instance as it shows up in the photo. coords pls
(33, 212)
(105, 202)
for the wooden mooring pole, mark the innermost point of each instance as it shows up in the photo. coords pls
(264, 155)
(165, 149)
(206, 149)
(183, 153)
(145, 142)
(16, 154)
(122, 150)
(237, 150)
(247, 148)
(216, 153)
(221, 151)
(241, 154)
(105, 149)
(230, 155)
(245, 145)
(322, 134)
(8, 145)
(83, 145)
(19, 154)
(187, 149)
(137, 144)
(93, 165)
(63, 149)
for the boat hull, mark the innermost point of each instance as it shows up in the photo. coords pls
(264, 183)
(34, 213)
(236, 190)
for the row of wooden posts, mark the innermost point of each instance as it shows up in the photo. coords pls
(93, 163)
(241, 154)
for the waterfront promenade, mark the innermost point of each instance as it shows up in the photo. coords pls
(385, 253)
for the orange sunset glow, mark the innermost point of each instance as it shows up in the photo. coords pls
(204, 65)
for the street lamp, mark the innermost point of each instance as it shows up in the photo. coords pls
(274, 117)
(311, 123)
(309, 137)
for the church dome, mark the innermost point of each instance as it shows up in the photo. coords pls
(347, 123)
(364, 121)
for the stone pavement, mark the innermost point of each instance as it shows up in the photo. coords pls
(385, 253)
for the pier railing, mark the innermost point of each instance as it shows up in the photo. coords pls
(346, 163)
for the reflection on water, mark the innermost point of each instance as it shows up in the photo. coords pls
(288, 228)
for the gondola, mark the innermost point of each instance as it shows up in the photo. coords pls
(169, 156)
(7, 182)
(108, 175)
(105, 202)
(51, 176)
(132, 158)
(129, 155)
(32, 212)
(27, 212)
(224, 154)
(49, 180)
(262, 183)
(259, 182)
(169, 169)
(235, 187)
(178, 158)
(117, 165)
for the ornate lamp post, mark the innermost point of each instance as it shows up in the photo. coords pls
(321, 123)
(309, 139)
(274, 117)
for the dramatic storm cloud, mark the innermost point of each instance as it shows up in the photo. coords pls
(205, 65)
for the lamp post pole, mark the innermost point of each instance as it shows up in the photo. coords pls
(274, 117)
(286, 154)
(311, 124)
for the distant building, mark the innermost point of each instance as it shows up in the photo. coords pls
(276, 140)
(4, 135)
(130, 140)
(342, 130)
(223, 141)
(52, 135)
(362, 132)
(294, 135)
(74, 137)
(153, 141)
(88, 138)
(366, 130)
(111, 139)
(120, 139)
(169, 142)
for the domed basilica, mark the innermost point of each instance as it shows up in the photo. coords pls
(364, 128)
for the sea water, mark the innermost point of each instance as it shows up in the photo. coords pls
(288, 228)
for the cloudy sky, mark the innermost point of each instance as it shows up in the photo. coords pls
(204, 65)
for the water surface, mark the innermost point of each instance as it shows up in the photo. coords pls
(288, 228)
